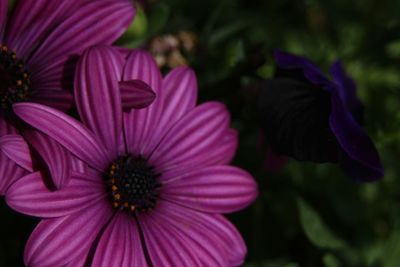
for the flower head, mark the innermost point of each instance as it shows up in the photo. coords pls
(311, 118)
(158, 177)
(39, 46)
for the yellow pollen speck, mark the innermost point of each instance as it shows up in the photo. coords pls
(115, 204)
(5, 49)
(113, 180)
(113, 167)
(25, 75)
(114, 188)
(126, 204)
(133, 207)
(19, 82)
(117, 196)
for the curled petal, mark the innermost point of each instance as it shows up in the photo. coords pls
(30, 195)
(140, 124)
(361, 159)
(136, 94)
(65, 130)
(9, 173)
(15, 147)
(56, 157)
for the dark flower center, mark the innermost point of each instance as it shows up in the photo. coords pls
(14, 79)
(133, 184)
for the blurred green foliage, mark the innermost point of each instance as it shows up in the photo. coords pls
(306, 214)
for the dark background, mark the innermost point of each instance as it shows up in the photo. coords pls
(306, 214)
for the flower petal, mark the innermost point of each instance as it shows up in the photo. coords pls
(58, 241)
(56, 157)
(189, 142)
(201, 239)
(65, 130)
(361, 159)
(139, 124)
(179, 96)
(3, 17)
(347, 91)
(287, 61)
(59, 99)
(120, 244)
(9, 173)
(32, 20)
(97, 22)
(15, 147)
(216, 189)
(5, 126)
(136, 94)
(97, 94)
(295, 120)
(30, 195)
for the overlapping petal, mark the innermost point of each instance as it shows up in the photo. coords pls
(184, 229)
(58, 241)
(57, 158)
(15, 147)
(59, 99)
(189, 141)
(97, 95)
(139, 124)
(120, 244)
(5, 126)
(179, 96)
(97, 22)
(136, 94)
(65, 130)
(216, 189)
(32, 20)
(9, 172)
(30, 195)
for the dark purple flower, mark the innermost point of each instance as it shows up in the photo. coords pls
(39, 46)
(309, 117)
(157, 181)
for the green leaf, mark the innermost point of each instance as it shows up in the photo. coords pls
(331, 261)
(393, 49)
(158, 18)
(136, 31)
(316, 230)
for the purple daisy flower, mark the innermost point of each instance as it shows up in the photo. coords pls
(158, 178)
(311, 118)
(39, 45)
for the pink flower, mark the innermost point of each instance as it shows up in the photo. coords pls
(39, 46)
(158, 178)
